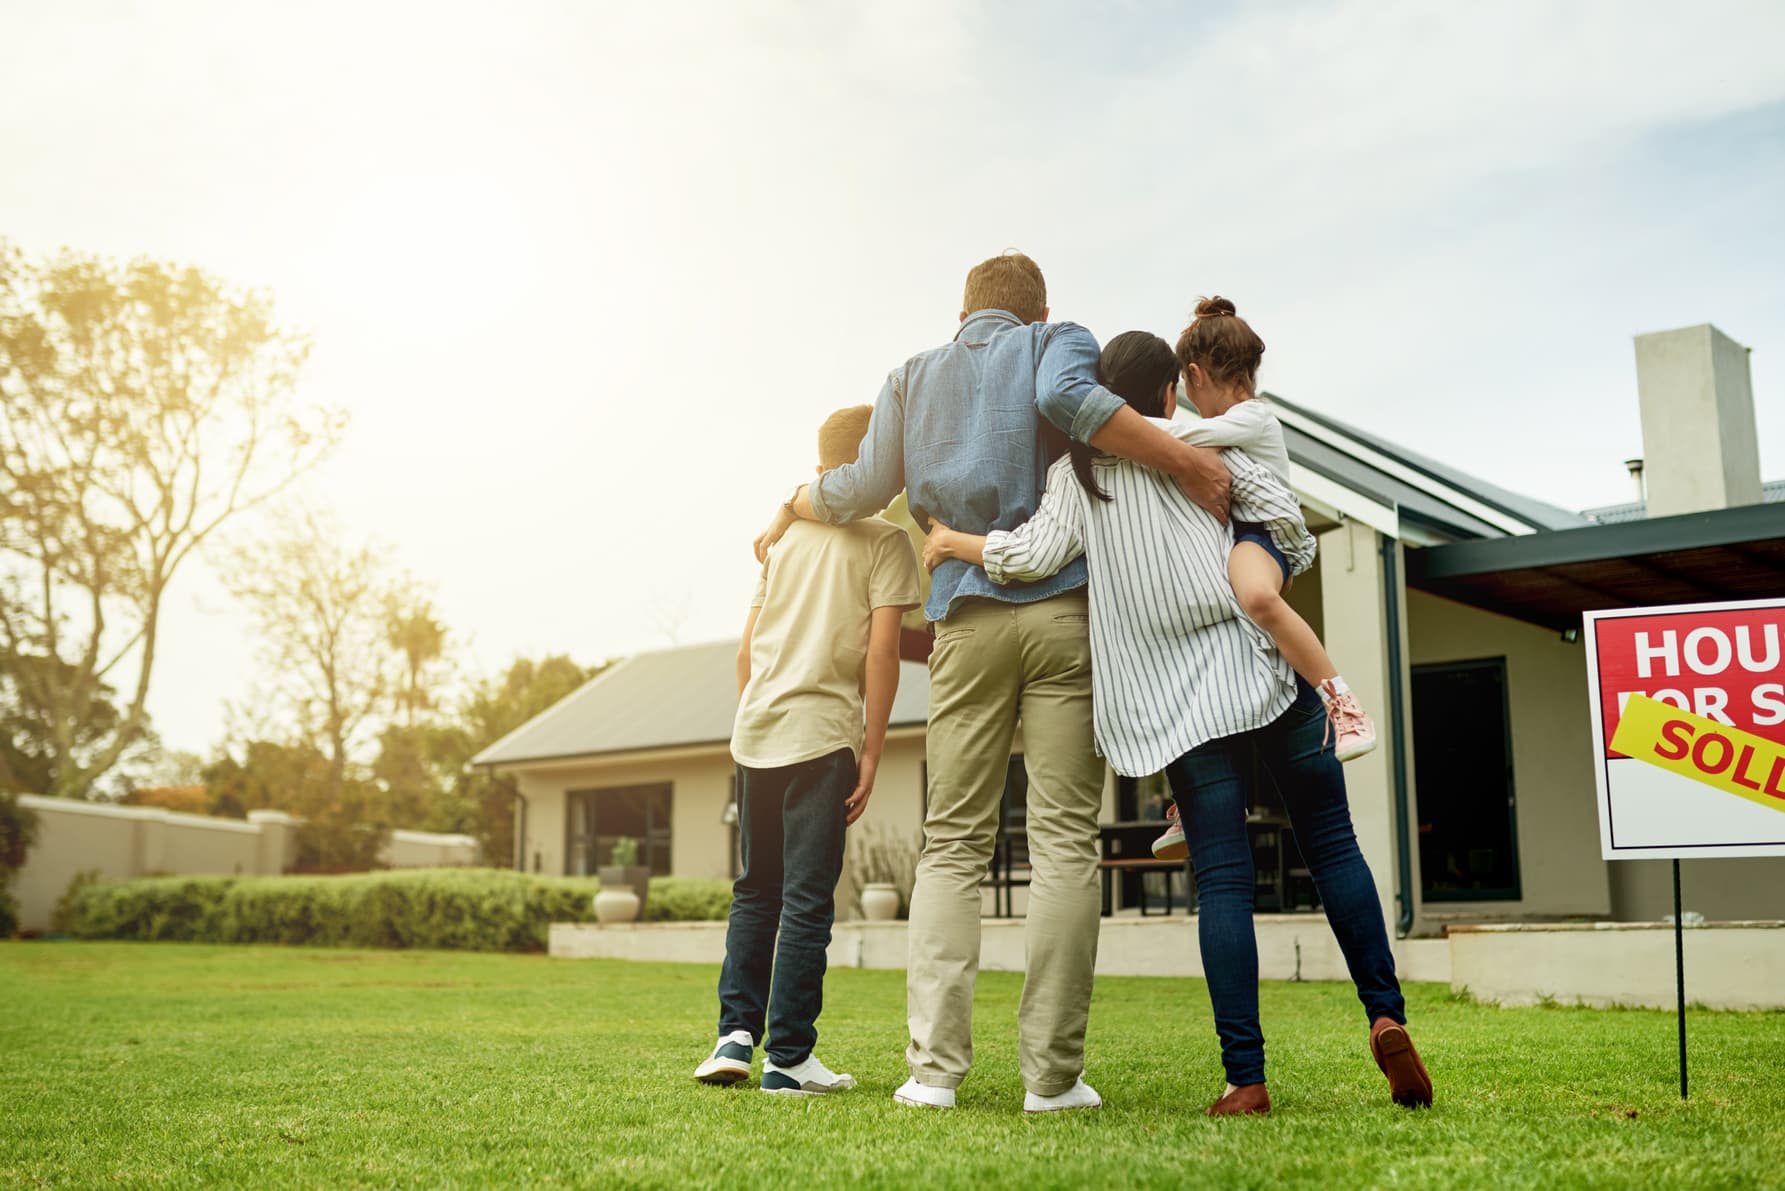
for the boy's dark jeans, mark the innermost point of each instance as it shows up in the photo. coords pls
(790, 821)
(1209, 783)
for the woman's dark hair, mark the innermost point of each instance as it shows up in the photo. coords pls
(1221, 343)
(1138, 367)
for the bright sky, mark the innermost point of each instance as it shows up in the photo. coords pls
(588, 277)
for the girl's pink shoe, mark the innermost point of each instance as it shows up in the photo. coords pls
(1352, 732)
(1171, 845)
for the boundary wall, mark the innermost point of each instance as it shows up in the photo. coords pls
(136, 841)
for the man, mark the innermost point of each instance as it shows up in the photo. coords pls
(961, 429)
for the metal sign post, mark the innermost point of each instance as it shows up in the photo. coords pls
(1679, 970)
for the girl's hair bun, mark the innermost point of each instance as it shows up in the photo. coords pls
(1214, 307)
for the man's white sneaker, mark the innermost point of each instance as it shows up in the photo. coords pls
(730, 1060)
(810, 1078)
(922, 1095)
(1079, 1095)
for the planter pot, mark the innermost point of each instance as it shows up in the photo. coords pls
(880, 903)
(616, 905)
(635, 877)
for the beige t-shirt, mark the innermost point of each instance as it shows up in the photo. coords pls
(809, 651)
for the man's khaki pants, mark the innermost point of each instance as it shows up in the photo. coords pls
(993, 662)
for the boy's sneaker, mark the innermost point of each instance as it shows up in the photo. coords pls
(1079, 1095)
(810, 1078)
(1351, 731)
(730, 1060)
(1171, 845)
(922, 1095)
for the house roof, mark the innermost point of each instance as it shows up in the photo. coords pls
(1432, 495)
(1551, 578)
(667, 698)
(1771, 492)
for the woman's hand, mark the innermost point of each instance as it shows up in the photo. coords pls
(938, 545)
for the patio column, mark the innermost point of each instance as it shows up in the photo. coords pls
(1354, 606)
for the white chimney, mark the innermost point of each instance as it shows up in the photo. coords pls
(1698, 439)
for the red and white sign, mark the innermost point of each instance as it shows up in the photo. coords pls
(1688, 707)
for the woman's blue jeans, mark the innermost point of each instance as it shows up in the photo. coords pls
(1210, 784)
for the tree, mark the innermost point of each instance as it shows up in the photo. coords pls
(408, 777)
(268, 775)
(340, 829)
(319, 606)
(142, 407)
(479, 804)
(29, 686)
(419, 639)
(407, 768)
(18, 831)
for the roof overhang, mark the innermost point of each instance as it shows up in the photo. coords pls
(1551, 578)
(666, 754)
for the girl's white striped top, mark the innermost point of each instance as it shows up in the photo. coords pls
(1174, 662)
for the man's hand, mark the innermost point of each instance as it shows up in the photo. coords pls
(777, 527)
(1204, 479)
(938, 545)
(857, 802)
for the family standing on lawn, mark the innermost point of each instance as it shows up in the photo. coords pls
(1085, 582)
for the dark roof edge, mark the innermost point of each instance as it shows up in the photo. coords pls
(1686, 531)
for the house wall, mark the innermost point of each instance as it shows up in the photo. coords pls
(1736, 889)
(1560, 871)
(700, 782)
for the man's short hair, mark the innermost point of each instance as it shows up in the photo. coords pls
(1010, 282)
(840, 438)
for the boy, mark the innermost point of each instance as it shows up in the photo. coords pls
(817, 671)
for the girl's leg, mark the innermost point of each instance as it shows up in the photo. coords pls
(1211, 798)
(1258, 583)
(1312, 784)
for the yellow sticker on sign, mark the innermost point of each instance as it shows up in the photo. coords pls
(1695, 746)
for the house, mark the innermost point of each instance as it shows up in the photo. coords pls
(643, 750)
(1453, 608)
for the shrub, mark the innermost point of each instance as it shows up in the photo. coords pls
(687, 899)
(451, 909)
(18, 831)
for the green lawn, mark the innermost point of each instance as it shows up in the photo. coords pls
(148, 1064)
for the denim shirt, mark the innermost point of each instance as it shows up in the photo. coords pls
(961, 429)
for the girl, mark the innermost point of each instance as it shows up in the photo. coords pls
(1183, 681)
(1219, 354)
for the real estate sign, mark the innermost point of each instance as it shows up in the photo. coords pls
(1688, 707)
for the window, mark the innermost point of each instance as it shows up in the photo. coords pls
(1462, 764)
(599, 817)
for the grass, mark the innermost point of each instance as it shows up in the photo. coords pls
(172, 1064)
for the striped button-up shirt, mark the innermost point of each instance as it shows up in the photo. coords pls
(1175, 663)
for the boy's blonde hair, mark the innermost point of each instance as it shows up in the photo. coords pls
(1010, 282)
(840, 438)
